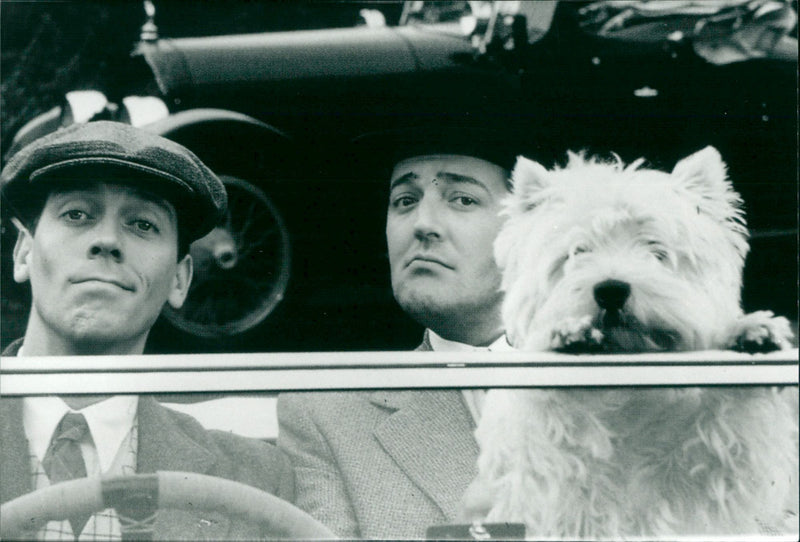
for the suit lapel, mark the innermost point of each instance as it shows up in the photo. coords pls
(15, 470)
(168, 446)
(430, 436)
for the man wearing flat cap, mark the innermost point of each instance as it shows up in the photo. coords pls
(390, 464)
(106, 213)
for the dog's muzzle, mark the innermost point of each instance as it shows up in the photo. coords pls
(622, 332)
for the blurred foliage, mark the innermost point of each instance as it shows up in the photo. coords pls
(49, 48)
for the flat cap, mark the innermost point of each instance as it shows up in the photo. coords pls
(105, 151)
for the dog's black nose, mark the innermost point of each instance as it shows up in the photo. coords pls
(612, 294)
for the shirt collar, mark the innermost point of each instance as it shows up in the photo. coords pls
(440, 344)
(109, 423)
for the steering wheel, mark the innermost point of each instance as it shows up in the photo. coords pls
(136, 499)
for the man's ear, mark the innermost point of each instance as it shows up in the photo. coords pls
(180, 283)
(22, 252)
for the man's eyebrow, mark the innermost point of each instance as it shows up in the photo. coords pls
(155, 199)
(403, 179)
(69, 191)
(456, 178)
(141, 193)
(162, 204)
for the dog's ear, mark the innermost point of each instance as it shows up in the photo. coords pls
(703, 171)
(528, 178)
(704, 175)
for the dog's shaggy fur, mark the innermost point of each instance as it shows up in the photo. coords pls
(600, 257)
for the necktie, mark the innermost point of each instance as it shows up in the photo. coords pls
(64, 461)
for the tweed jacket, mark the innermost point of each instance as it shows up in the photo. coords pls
(385, 464)
(168, 441)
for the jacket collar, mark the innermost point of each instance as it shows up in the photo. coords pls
(13, 348)
(15, 475)
(425, 345)
(430, 436)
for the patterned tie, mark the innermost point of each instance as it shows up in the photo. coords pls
(64, 461)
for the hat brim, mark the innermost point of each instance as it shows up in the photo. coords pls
(376, 153)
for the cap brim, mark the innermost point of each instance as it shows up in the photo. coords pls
(195, 216)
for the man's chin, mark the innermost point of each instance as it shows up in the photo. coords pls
(428, 308)
(97, 334)
(96, 340)
(432, 308)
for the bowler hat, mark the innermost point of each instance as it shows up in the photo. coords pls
(105, 151)
(499, 141)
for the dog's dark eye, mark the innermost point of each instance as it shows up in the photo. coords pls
(658, 251)
(580, 249)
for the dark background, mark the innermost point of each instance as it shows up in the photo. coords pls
(50, 48)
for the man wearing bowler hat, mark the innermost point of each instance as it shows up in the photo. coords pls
(390, 464)
(105, 214)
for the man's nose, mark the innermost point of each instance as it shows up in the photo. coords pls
(106, 242)
(427, 224)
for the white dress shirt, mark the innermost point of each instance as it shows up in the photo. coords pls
(110, 422)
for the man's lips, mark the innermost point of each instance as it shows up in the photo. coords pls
(105, 280)
(429, 260)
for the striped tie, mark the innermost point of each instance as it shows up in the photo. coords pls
(64, 461)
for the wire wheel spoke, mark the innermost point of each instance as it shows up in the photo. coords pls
(241, 270)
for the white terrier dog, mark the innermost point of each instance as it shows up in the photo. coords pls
(599, 257)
